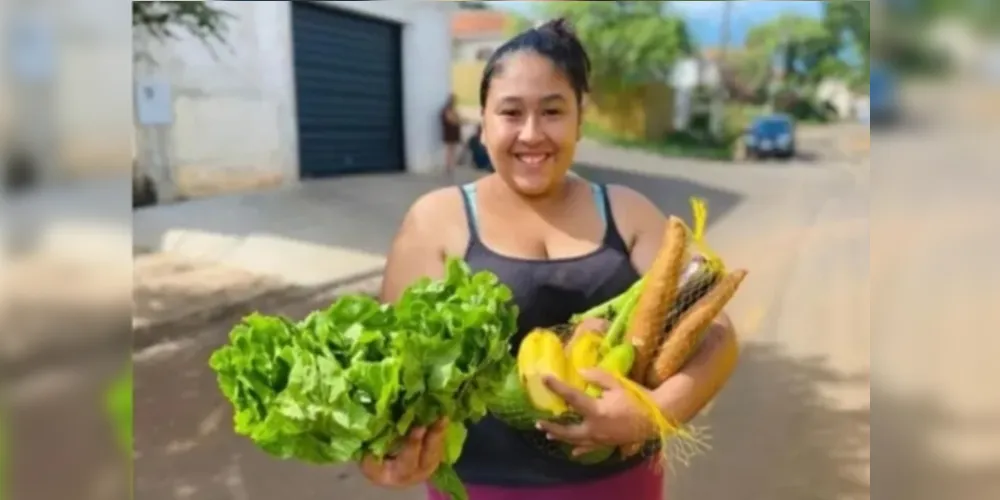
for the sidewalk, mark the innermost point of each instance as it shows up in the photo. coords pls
(310, 235)
(217, 259)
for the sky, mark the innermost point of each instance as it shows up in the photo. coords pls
(705, 17)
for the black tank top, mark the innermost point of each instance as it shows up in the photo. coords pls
(547, 292)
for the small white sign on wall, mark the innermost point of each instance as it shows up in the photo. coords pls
(153, 103)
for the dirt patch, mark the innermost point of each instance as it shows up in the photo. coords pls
(169, 286)
(56, 310)
(176, 296)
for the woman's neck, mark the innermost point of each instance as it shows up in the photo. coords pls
(548, 201)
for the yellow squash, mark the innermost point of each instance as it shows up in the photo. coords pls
(583, 351)
(541, 353)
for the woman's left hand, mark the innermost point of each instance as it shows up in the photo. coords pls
(613, 419)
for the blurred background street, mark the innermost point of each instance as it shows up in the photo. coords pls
(274, 147)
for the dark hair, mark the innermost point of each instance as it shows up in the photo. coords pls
(554, 40)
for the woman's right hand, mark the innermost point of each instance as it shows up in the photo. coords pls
(417, 459)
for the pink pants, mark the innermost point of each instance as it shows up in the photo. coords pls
(644, 482)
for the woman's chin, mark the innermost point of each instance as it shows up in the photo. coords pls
(532, 185)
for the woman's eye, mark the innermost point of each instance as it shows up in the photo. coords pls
(553, 112)
(510, 112)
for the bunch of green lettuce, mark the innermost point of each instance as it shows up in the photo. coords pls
(353, 379)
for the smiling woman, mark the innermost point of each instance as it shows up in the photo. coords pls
(531, 119)
(562, 245)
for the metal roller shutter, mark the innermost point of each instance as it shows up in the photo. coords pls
(348, 83)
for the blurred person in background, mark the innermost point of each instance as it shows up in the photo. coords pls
(563, 245)
(451, 134)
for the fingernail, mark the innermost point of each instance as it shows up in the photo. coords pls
(550, 437)
(538, 425)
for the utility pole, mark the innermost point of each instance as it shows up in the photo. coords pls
(718, 107)
(724, 35)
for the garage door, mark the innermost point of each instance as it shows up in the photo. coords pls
(348, 92)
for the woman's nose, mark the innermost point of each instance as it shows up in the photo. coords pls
(531, 132)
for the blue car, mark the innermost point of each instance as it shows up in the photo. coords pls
(883, 101)
(770, 136)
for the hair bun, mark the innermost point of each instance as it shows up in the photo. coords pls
(560, 27)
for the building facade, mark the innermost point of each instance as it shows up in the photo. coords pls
(299, 90)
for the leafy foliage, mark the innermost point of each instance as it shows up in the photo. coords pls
(628, 42)
(803, 47)
(849, 23)
(352, 380)
(167, 19)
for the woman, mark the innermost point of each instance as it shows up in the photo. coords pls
(562, 245)
(480, 157)
(451, 134)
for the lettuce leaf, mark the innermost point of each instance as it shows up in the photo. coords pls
(353, 379)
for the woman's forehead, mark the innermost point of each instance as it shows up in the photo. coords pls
(529, 75)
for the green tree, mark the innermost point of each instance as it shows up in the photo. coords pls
(629, 43)
(517, 23)
(169, 20)
(803, 47)
(849, 23)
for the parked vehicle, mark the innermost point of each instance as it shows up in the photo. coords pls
(770, 136)
(883, 99)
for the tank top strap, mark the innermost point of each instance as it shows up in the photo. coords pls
(612, 237)
(471, 212)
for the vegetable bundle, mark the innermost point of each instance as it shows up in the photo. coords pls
(354, 379)
(656, 327)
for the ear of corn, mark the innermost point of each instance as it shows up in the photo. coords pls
(685, 338)
(660, 290)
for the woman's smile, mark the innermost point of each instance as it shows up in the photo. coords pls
(533, 160)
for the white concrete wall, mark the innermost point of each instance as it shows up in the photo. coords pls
(234, 111)
(466, 50)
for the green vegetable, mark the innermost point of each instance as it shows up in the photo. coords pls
(618, 360)
(118, 401)
(352, 380)
(512, 405)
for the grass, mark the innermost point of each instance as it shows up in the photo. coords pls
(681, 144)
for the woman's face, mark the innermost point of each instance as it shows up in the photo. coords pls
(531, 123)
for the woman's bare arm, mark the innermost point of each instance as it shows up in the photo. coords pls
(685, 394)
(415, 251)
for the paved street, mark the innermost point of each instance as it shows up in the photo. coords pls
(794, 423)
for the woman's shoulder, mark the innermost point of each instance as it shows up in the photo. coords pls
(634, 213)
(434, 213)
(440, 201)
